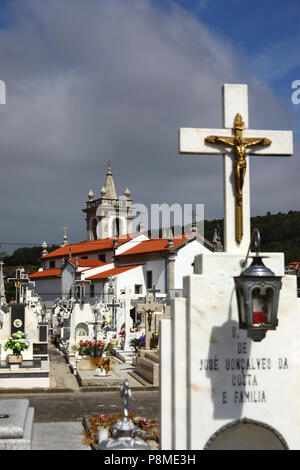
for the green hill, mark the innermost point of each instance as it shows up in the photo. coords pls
(278, 232)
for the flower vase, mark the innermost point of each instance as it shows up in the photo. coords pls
(14, 358)
(101, 372)
(102, 434)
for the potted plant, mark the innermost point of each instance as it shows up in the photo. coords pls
(17, 343)
(122, 335)
(142, 341)
(135, 344)
(102, 429)
(135, 327)
(104, 347)
(103, 366)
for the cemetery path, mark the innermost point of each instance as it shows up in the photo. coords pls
(73, 406)
(60, 374)
(66, 402)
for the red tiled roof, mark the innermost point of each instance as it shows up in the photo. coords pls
(113, 272)
(156, 244)
(86, 263)
(46, 273)
(88, 247)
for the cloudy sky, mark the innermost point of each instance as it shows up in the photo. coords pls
(89, 81)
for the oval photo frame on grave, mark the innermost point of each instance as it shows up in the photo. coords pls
(246, 434)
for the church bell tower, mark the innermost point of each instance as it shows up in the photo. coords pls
(110, 215)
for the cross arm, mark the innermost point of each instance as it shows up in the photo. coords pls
(281, 143)
(192, 141)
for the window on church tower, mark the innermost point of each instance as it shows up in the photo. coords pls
(101, 258)
(52, 264)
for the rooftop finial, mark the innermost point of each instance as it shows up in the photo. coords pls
(170, 238)
(109, 185)
(44, 246)
(65, 242)
(127, 193)
(91, 195)
(194, 222)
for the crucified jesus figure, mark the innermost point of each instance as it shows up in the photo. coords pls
(240, 144)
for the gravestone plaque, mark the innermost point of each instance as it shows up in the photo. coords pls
(43, 336)
(230, 389)
(17, 318)
(40, 349)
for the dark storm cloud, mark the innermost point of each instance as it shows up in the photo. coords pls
(89, 82)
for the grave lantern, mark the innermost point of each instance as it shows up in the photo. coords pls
(257, 291)
(124, 432)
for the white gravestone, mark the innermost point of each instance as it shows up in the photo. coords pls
(220, 376)
(81, 327)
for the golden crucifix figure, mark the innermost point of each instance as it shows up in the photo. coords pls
(240, 144)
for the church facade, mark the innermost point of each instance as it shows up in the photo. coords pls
(113, 254)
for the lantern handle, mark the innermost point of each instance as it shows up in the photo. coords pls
(255, 239)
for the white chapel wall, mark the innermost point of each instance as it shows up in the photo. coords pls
(158, 268)
(48, 289)
(184, 259)
(131, 278)
(67, 279)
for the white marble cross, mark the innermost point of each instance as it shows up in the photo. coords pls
(192, 141)
(126, 297)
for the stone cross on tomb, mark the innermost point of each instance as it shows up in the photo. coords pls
(21, 279)
(153, 291)
(96, 323)
(148, 308)
(114, 305)
(126, 297)
(80, 289)
(236, 142)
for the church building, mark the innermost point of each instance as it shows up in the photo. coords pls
(114, 255)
